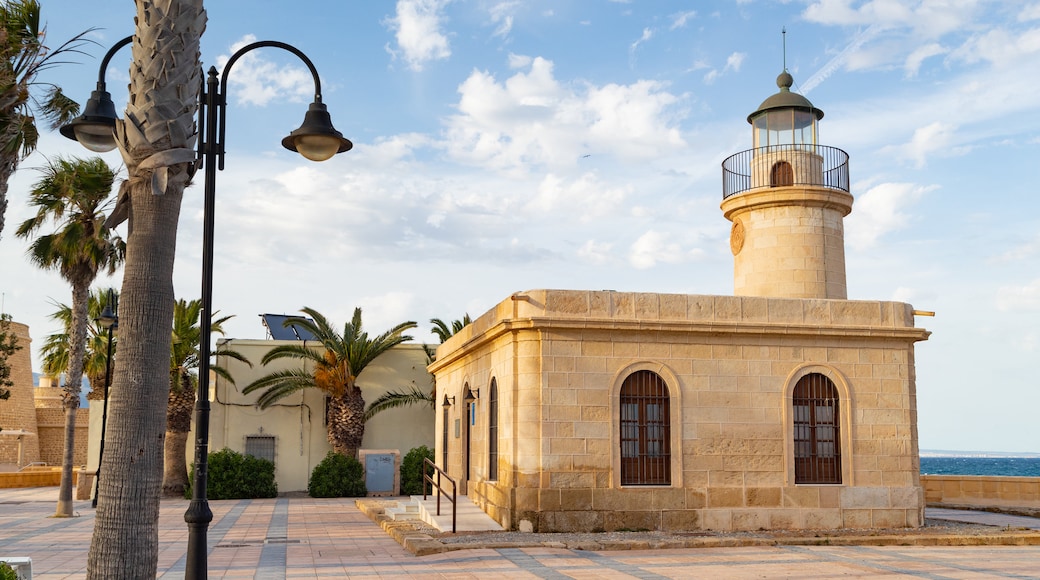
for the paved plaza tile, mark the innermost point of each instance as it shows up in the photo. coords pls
(305, 538)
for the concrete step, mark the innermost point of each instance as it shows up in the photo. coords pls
(406, 510)
(469, 516)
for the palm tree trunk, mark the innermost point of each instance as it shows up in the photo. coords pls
(165, 77)
(347, 422)
(70, 396)
(178, 424)
(8, 164)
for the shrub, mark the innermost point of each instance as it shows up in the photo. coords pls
(7, 572)
(411, 470)
(233, 475)
(337, 476)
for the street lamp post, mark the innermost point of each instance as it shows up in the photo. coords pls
(110, 321)
(316, 139)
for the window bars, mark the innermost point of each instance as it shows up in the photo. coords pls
(817, 442)
(493, 432)
(645, 430)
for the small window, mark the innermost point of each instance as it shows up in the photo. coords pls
(781, 175)
(645, 430)
(260, 446)
(817, 441)
(493, 432)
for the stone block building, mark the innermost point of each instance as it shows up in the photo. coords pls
(32, 420)
(783, 406)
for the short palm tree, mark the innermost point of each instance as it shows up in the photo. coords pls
(55, 351)
(414, 395)
(184, 380)
(335, 370)
(72, 194)
(23, 55)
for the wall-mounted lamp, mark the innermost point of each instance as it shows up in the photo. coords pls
(448, 401)
(471, 395)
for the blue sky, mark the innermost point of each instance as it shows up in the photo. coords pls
(511, 145)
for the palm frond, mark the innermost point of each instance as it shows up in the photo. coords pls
(394, 399)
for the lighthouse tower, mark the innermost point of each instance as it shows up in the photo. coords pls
(787, 198)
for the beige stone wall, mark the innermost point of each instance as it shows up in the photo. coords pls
(18, 413)
(559, 358)
(51, 424)
(982, 491)
(789, 242)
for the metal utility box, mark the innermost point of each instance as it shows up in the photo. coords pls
(382, 471)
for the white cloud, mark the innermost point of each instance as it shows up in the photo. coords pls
(928, 18)
(1030, 13)
(733, 61)
(653, 247)
(531, 120)
(733, 64)
(585, 197)
(937, 136)
(648, 33)
(417, 26)
(1001, 47)
(919, 55)
(519, 61)
(255, 80)
(594, 252)
(881, 210)
(680, 19)
(1025, 297)
(502, 17)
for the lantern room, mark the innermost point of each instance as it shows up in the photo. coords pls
(785, 118)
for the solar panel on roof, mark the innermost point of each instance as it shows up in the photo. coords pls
(275, 324)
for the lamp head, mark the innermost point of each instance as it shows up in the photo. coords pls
(108, 318)
(447, 403)
(95, 128)
(471, 395)
(317, 139)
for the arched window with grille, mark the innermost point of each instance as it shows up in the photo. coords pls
(493, 431)
(817, 437)
(645, 430)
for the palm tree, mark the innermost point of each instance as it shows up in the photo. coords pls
(23, 55)
(55, 351)
(72, 194)
(336, 368)
(184, 380)
(159, 123)
(445, 331)
(414, 395)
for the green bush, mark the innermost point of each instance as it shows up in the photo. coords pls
(7, 572)
(411, 470)
(233, 475)
(337, 476)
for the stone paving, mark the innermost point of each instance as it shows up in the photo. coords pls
(300, 537)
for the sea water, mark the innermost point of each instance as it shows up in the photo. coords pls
(1014, 466)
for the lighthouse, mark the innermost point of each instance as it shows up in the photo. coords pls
(787, 198)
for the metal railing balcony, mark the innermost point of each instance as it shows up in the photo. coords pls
(785, 165)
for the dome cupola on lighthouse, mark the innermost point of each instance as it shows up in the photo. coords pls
(786, 118)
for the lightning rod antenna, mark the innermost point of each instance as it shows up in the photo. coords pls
(783, 35)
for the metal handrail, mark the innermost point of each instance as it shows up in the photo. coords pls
(440, 490)
(829, 168)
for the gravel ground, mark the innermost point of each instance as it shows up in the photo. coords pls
(931, 527)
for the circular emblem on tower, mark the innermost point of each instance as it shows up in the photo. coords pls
(736, 237)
